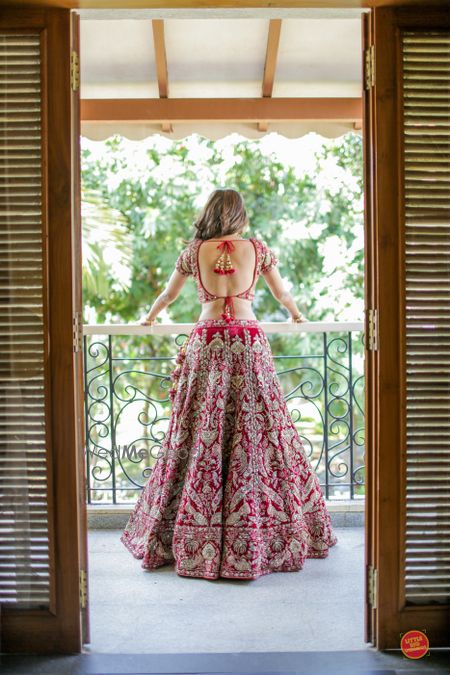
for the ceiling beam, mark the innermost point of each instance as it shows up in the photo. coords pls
(160, 57)
(273, 42)
(270, 64)
(220, 109)
(159, 44)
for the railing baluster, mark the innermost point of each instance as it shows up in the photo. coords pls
(86, 424)
(325, 414)
(113, 428)
(350, 411)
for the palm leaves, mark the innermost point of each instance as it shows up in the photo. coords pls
(107, 247)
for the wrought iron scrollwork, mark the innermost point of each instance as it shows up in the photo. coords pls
(127, 409)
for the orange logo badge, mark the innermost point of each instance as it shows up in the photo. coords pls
(414, 644)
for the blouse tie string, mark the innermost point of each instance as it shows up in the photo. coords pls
(226, 244)
(223, 266)
(228, 309)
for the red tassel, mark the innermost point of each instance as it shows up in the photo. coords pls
(228, 313)
(218, 270)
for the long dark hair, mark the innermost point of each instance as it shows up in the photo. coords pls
(224, 213)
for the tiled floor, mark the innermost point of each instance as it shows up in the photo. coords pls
(137, 611)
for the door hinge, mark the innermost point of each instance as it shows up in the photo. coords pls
(369, 67)
(372, 586)
(83, 589)
(77, 331)
(372, 330)
(74, 71)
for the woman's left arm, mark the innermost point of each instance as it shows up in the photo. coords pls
(169, 294)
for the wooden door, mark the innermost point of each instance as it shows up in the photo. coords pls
(370, 334)
(77, 303)
(408, 228)
(40, 506)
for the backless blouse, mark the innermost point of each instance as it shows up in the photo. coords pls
(187, 264)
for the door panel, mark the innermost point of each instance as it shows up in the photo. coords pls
(371, 352)
(39, 560)
(426, 244)
(26, 549)
(410, 173)
(78, 311)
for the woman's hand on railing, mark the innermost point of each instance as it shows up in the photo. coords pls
(298, 318)
(147, 322)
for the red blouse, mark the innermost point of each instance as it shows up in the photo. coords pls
(187, 264)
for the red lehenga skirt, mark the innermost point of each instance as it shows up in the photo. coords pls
(232, 493)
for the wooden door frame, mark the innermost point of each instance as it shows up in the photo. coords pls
(370, 356)
(56, 629)
(77, 303)
(59, 628)
(385, 181)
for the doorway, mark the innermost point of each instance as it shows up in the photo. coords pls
(326, 590)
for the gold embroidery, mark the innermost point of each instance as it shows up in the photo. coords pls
(233, 494)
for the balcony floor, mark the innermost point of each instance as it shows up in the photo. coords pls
(321, 607)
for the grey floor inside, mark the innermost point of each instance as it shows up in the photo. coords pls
(300, 623)
(138, 611)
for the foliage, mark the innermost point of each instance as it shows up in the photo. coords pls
(313, 222)
(137, 216)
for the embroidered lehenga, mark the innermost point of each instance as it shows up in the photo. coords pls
(232, 493)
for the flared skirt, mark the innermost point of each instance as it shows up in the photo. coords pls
(232, 493)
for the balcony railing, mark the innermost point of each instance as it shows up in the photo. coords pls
(127, 376)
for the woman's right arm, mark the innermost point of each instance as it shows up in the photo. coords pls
(169, 294)
(182, 270)
(280, 293)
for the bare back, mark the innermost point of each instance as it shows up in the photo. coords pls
(240, 282)
(226, 272)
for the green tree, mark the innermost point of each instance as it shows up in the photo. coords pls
(148, 211)
(136, 217)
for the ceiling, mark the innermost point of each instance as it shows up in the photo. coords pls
(317, 56)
